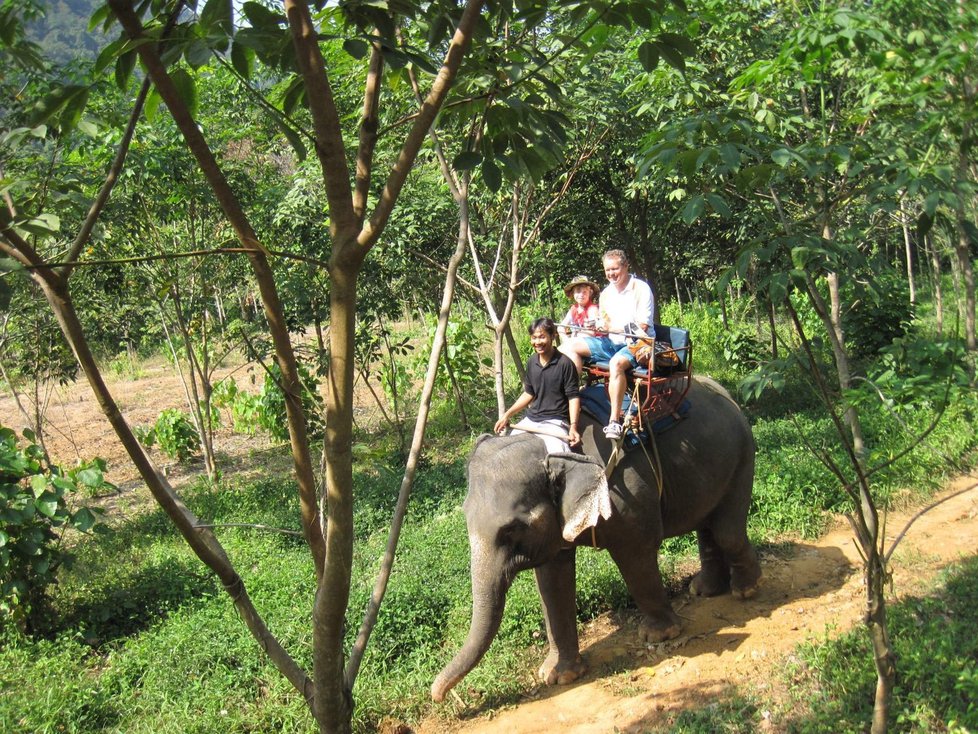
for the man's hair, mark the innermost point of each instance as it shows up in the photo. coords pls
(619, 255)
(543, 323)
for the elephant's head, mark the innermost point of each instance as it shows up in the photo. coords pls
(522, 507)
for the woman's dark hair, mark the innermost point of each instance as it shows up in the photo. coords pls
(543, 323)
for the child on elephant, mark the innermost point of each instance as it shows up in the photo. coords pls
(550, 392)
(583, 314)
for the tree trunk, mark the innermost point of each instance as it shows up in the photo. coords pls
(935, 263)
(883, 656)
(333, 701)
(838, 342)
(908, 250)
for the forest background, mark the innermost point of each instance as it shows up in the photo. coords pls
(373, 200)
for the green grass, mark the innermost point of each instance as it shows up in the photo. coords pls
(935, 639)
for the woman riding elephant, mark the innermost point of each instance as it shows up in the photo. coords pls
(525, 509)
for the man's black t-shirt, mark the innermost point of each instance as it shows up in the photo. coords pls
(551, 386)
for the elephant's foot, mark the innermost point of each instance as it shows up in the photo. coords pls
(656, 629)
(555, 672)
(710, 583)
(748, 591)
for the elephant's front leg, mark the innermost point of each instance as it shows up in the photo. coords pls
(556, 584)
(639, 566)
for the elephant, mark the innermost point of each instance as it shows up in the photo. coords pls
(526, 509)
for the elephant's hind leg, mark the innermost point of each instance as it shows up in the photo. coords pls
(728, 563)
(745, 573)
(713, 578)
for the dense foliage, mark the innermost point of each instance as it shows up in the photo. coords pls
(38, 503)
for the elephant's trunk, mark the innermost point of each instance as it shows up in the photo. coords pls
(488, 602)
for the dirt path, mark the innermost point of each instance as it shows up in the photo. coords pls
(808, 589)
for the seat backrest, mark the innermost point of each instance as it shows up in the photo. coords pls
(678, 338)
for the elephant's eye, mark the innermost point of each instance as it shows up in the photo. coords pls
(509, 534)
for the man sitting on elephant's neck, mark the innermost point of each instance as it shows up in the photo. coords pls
(550, 391)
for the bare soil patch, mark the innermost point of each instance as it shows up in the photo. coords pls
(75, 428)
(809, 590)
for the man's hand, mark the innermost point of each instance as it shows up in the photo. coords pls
(573, 436)
(501, 425)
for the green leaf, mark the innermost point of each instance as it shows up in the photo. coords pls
(216, 16)
(241, 59)
(261, 18)
(355, 47)
(197, 53)
(294, 94)
(43, 225)
(83, 520)
(39, 484)
(101, 15)
(491, 175)
(90, 477)
(108, 55)
(123, 68)
(641, 14)
(718, 204)
(295, 140)
(782, 157)
(467, 160)
(152, 105)
(47, 505)
(694, 207)
(778, 288)
(74, 108)
(730, 156)
(186, 89)
(648, 55)
(682, 44)
(394, 58)
(672, 57)
(55, 102)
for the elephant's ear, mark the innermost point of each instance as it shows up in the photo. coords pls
(580, 490)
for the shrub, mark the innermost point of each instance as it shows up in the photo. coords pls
(271, 404)
(243, 407)
(173, 433)
(34, 512)
(884, 312)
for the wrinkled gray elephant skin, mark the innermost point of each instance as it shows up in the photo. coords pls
(522, 503)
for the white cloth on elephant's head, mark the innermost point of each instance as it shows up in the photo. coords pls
(553, 433)
(590, 506)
